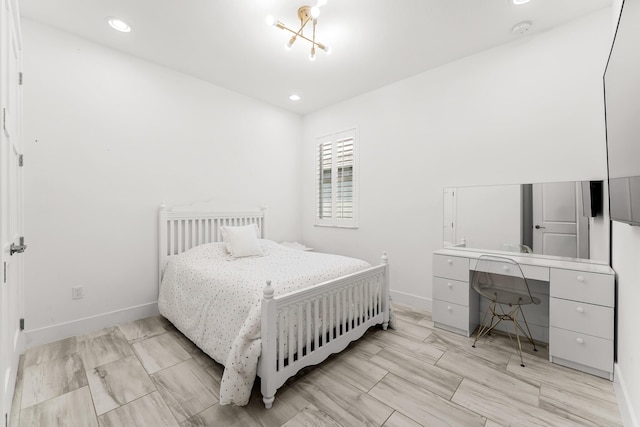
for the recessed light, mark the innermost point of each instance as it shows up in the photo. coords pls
(519, 2)
(119, 24)
(294, 97)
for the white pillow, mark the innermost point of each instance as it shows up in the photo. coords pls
(241, 241)
(224, 239)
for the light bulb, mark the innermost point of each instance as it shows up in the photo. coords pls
(322, 3)
(327, 50)
(315, 12)
(119, 24)
(312, 54)
(519, 2)
(294, 97)
(270, 20)
(288, 44)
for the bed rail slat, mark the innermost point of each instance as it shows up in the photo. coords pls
(338, 316)
(325, 319)
(351, 308)
(309, 325)
(299, 331)
(318, 320)
(281, 341)
(291, 338)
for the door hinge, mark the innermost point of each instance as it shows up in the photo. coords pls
(20, 160)
(22, 324)
(20, 79)
(5, 273)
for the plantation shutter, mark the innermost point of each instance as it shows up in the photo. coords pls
(344, 178)
(336, 180)
(325, 189)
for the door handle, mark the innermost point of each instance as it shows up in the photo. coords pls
(18, 248)
(538, 227)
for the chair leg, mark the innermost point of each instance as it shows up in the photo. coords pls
(484, 329)
(528, 332)
(515, 328)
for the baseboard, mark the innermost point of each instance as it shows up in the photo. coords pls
(39, 336)
(415, 301)
(627, 411)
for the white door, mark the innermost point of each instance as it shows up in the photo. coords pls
(557, 221)
(11, 263)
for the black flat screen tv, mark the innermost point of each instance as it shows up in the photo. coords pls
(622, 112)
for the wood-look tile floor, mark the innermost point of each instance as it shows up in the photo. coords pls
(145, 373)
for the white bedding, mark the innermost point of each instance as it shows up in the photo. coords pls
(215, 300)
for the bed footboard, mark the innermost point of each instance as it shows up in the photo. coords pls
(305, 327)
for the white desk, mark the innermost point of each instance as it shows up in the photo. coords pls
(576, 316)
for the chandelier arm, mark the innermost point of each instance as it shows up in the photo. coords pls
(298, 34)
(314, 32)
(303, 24)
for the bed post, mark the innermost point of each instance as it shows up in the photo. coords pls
(268, 355)
(385, 292)
(263, 233)
(162, 235)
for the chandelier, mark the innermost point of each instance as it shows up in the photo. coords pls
(306, 14)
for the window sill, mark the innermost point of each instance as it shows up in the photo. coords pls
(350, 227)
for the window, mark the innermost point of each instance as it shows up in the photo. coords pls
(336, 193)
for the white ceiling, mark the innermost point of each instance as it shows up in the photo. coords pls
(374, 42)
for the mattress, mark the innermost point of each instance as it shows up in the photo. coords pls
(215, 300)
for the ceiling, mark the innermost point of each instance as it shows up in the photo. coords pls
(374, 42)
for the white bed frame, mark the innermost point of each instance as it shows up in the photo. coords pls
(331, 314)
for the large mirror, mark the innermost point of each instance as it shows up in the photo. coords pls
(568, 219)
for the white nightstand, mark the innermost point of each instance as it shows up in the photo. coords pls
(296, 245)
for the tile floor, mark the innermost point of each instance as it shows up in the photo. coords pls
(145, 373)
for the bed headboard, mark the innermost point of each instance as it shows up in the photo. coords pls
(184, 227)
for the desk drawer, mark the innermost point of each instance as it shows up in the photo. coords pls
(593, 288)
(451, 267)
(449, 290)
(581, 348)
(581, 317)
(450, 314)
(533, 272)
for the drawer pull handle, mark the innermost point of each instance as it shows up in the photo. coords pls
(580, 278)
(580, 310)
(449, 261)
(580, 341)
(449, 307)
(449, 285)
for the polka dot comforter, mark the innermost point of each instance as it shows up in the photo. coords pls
(215, 300)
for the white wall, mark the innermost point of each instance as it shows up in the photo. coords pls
(107, 138)
(625, 254)
(530, 111)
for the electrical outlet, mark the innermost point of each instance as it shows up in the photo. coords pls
(77, 292)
